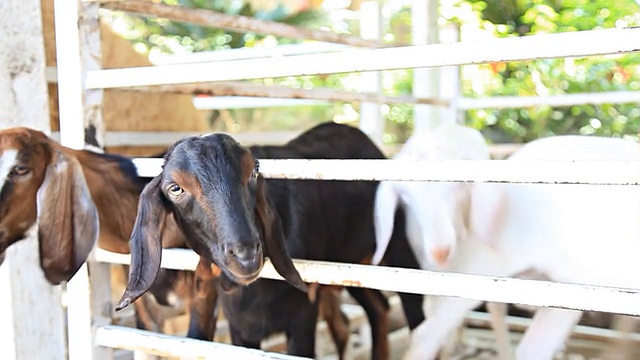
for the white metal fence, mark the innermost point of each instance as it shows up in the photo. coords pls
(81, 82)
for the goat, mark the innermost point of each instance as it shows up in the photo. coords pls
(77, 195)
(234, 218)
(508, 229)
(67, 216)
(446, 142)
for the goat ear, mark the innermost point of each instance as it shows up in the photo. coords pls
(68, 221)
(274, 237)
(487, 212)
(145, 243)
(384, 215)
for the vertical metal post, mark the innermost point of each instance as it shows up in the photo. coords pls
(450, 79)
(371, 122)
(426, 82)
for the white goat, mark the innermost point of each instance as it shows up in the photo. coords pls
(446, 142)
(569, 233)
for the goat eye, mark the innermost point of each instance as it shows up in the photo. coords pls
(20, 170)
(175, 190)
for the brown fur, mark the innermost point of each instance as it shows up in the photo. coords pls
(15, 216)
(53, 187)
(115, 196)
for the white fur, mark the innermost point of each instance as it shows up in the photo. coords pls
(434, 219)
(570, 233)
(8, 160)
(446, 142)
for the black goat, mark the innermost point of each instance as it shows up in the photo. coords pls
(233, 218)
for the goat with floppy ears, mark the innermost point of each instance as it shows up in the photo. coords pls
(233, 218)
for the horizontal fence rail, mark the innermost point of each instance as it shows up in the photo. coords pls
(570, 44)
(597, 172)
(239, 88)
(126, 338)
(478, 287)
(167, 138)
(511, 102)
(247, 89)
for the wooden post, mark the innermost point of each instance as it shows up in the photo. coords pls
(426, 82)
(371, 122)
(78, 50)
(30, 308)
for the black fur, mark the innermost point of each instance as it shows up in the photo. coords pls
(318, 220)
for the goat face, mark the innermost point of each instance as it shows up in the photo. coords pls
(436, 217)
(438, 213)
(40, 181)
(22, 168)
(211, 186)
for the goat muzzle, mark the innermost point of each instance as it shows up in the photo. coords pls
(243, 262)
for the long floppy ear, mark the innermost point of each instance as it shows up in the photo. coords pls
(68, 222)
(274, 237)
(145, 243)
(487, 212)
(384, 215)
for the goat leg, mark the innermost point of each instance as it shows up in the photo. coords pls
(203, 308)
(148, 315)
(336, 320)
(203, 311)
(498, 313)
(376, 307)
(301, 334)
(547, 333)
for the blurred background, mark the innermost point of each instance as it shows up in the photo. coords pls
(159, 39)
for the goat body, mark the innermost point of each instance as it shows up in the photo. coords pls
(234, 218)
(583, 234)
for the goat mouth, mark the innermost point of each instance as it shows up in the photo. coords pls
(244, 273)
(243, 278)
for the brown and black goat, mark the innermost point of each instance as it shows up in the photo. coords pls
(234, 218)
(76, 195)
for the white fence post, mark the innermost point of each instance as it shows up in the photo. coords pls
(371, 122)
(78, 50)
(426, 82)
(31, 314)
(450, 79)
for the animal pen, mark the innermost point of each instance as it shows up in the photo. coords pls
(39, 325)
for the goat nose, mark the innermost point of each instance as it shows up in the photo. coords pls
(441, 254)
(243, 252)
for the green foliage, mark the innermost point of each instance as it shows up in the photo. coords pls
(170, 36)
(555, 76)
(501, 18)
